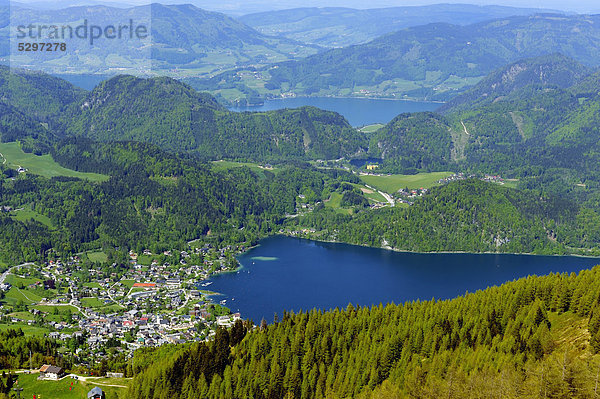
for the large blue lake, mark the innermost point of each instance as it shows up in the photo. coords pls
(358, 111)
(286, 273)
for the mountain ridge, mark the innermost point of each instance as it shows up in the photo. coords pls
(341, 26)
(437, 61)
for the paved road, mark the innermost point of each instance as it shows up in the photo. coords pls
(110, 295)
(94, 380)
(387, 197)
(9, 270)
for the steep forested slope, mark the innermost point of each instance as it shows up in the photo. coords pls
(470, 216)
(555, 70)
(171, 114)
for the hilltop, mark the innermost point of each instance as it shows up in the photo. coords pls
(548, 71)
(171, 114)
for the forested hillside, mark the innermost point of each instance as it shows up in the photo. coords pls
(470, 216)
(153, 199)
(535, 121)
(548, 71)
(39, 110)
(532, 338)
(414, 141)
(30, 104)
(171, 114)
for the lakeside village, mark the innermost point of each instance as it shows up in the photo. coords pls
(98, 311)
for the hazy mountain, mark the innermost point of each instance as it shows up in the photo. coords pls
(183, 40)
(50, 5)
(340, 27)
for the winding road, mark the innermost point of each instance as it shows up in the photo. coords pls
(387, 197)
(464, 127)
(8, 271)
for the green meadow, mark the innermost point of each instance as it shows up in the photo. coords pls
(42, 165)
(393, 183)
(67, 388)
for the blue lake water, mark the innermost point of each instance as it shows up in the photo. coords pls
(286, 273)
(358, 111)
(87, 82)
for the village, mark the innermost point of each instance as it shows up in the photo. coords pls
(96, 309)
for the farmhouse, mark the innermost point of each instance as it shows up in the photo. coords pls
(95, 393)
(48, 372)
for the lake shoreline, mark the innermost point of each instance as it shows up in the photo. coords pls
(322, 275)
(358, 111)
(414, 100)
(437, 252)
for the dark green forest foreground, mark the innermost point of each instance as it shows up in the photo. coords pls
(532, 338)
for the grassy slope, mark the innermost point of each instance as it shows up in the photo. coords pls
(28, 330)
(91, 302)
(371, 128)
(224, 165)
(14, 295)
(61, 389)
(26, 213)
(393, 183)
(335, 201)
(41, 165)
(370, 194)
(98, 256)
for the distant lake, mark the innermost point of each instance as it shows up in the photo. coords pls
(285, 273)
(358, 111)
(87, 81)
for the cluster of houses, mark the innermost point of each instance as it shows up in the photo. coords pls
(143, 306)
(412, 193)
(461, 176)
(454, 177)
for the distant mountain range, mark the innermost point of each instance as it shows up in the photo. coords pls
(183, 40)
(341, 27)
(437, 61)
